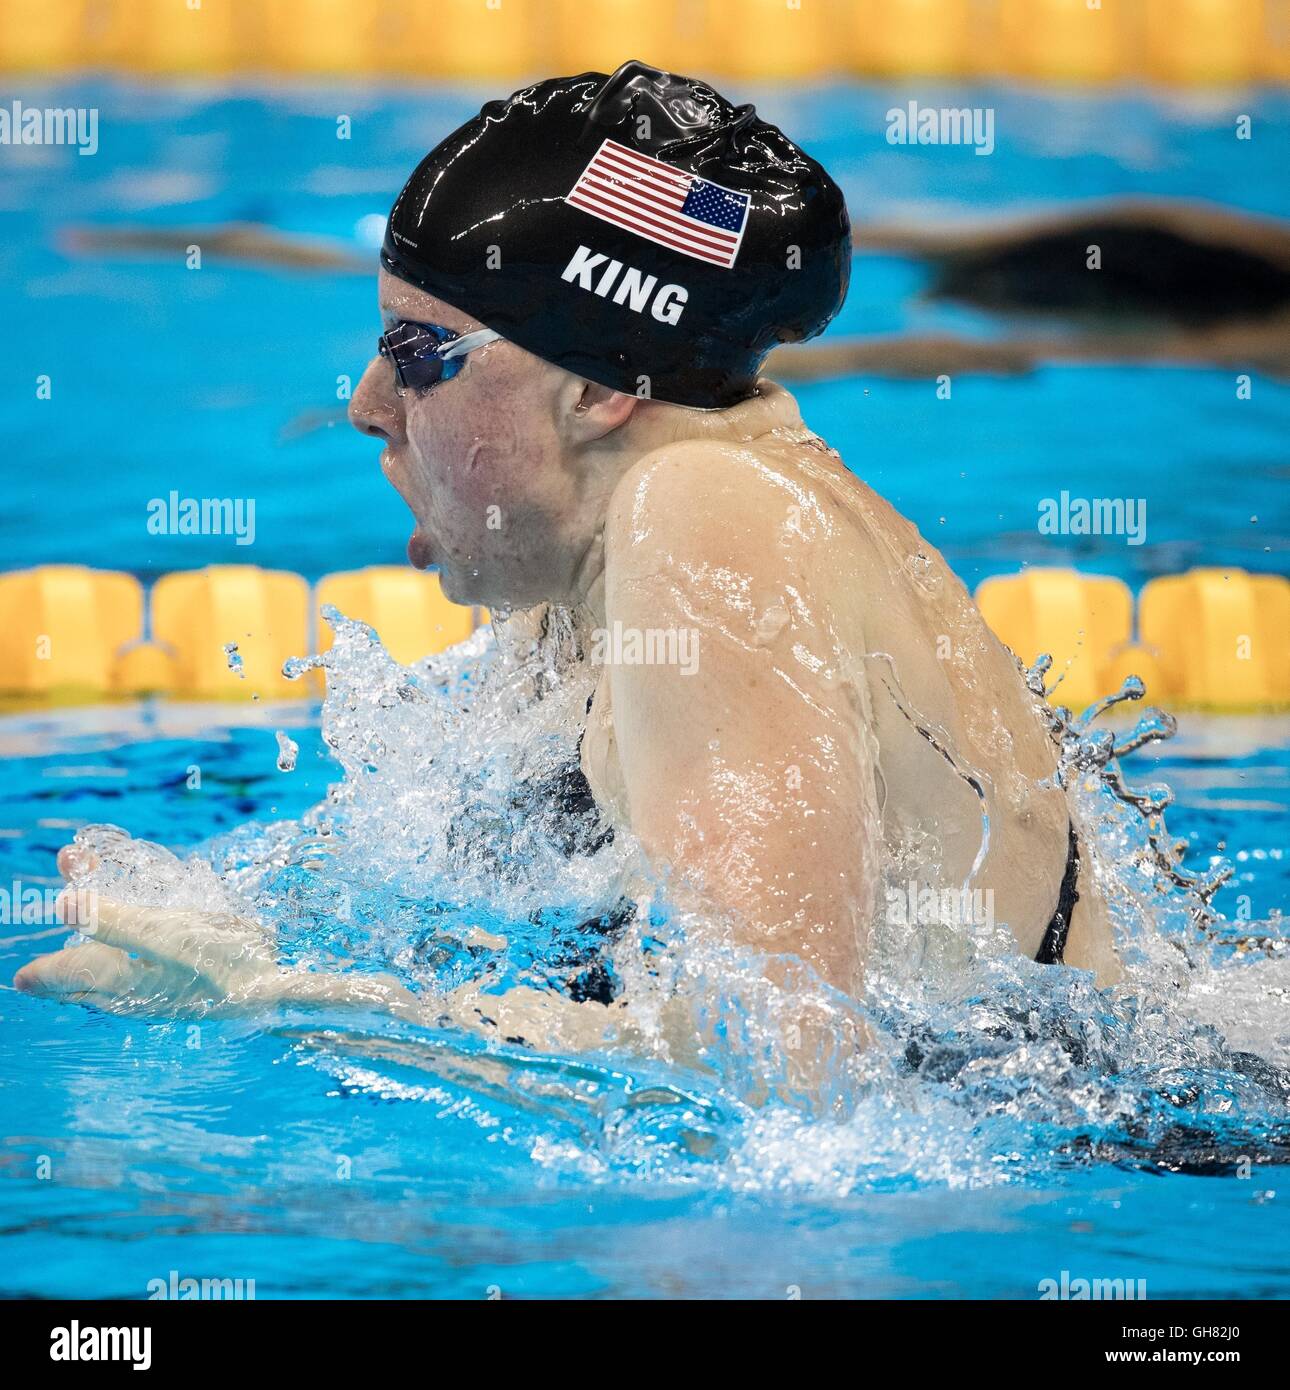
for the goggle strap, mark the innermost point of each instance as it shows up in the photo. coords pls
(468, 343)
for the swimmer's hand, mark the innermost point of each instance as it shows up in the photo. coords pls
(178, 963)
(181, 963)
(174, 962)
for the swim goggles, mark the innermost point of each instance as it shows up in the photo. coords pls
(424, 354)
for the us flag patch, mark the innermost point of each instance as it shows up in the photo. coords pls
(663, 204)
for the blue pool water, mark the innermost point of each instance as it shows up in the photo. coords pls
(372, 1163)
(199, 380)
(224, 1159)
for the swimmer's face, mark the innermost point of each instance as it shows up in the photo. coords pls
(489, 462)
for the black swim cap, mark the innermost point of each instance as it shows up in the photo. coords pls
(637, 230)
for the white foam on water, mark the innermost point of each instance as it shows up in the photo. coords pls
(438, 854)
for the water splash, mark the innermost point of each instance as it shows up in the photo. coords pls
(288, 752)
(438, 855)
(1086, 750)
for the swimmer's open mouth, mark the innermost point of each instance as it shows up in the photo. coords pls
(419, 554)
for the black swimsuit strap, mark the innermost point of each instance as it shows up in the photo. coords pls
(1054, 943)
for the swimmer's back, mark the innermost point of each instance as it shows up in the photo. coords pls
(845, 589)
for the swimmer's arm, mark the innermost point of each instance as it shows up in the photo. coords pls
(181, 963)
(747, 771)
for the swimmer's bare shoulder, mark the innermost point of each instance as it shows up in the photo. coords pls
(793, 568)
(742, 752)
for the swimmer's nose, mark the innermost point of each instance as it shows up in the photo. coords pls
(374, 408)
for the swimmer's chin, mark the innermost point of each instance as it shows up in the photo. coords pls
(465, 584)
(473, 590)
(450, 583)
(421, 557)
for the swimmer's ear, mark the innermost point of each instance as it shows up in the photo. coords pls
(591, 411)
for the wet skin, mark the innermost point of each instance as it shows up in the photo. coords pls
(848, 709)
(848, 702)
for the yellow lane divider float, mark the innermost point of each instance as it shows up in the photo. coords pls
(78, 633)
(1175, 41)
(1222, 638)
(199, 615)
(407, 608)
(1078, 619)
(1210, 639)
(62, 626)
(1214, 639)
